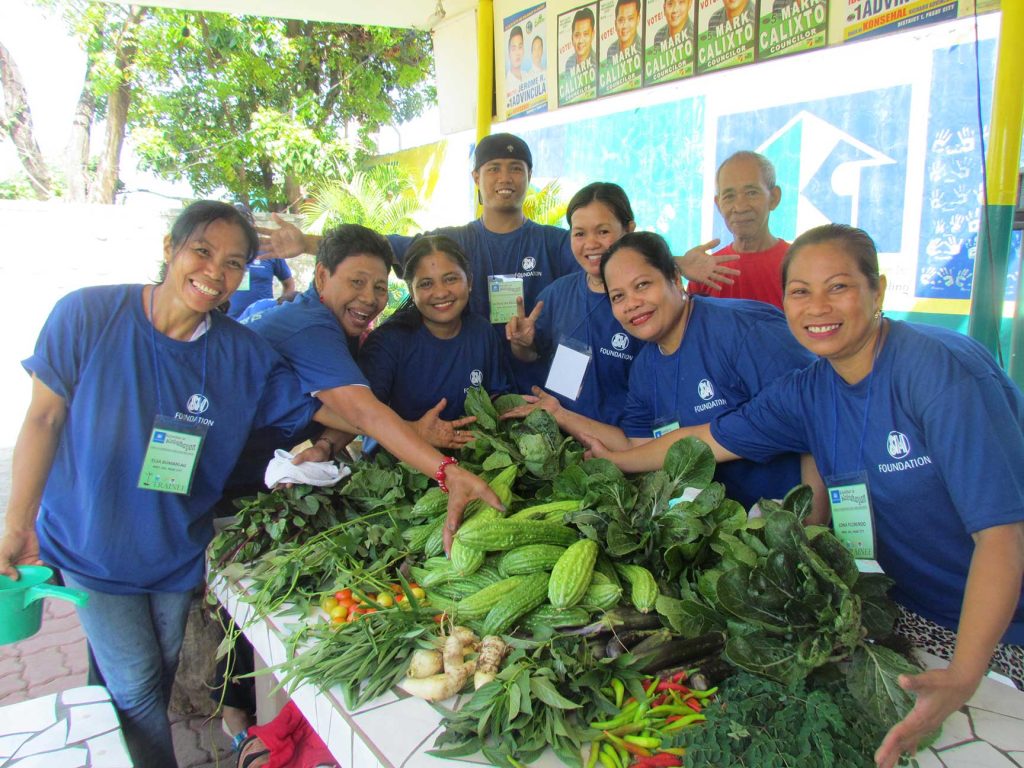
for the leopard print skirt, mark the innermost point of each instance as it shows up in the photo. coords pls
(1007, 660)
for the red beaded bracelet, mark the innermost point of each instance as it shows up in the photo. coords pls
(441, 475)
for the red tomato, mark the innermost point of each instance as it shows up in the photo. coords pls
(343, 594)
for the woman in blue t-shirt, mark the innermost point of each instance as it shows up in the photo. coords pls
(574, 311)
(422, 359)
(702, 357)
(312, 333)
(914, 412)
(142, 400)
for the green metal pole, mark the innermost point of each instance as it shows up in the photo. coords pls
(1003, 162)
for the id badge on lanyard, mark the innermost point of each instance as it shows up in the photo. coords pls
(569, 368)
(853, 519)
(665, 428)
(171, 456)
(244, 285)
(502, 292)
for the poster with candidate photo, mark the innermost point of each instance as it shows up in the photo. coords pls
(789, 26)
(526, 82)
(577, 55)
(725, 34)
(668, 41)
(620, 46)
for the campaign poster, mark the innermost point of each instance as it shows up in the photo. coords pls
(868, 18)
(526, 82)
(789, 26)
(620, 46)
(725, 34)
(577, 55)
(668, 41)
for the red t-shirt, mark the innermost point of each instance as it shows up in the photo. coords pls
(760, 276)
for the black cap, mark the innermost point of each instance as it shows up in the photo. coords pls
(501, 146)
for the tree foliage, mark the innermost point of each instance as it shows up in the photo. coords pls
(262, 105)
(252, 105)
(384, 198)
(545, 204)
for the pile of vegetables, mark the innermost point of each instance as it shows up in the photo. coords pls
(589, 583)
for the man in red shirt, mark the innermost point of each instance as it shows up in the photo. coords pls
(746, 196)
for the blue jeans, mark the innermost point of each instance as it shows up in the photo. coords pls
(135, 640)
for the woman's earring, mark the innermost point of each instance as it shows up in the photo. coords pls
(878, 314)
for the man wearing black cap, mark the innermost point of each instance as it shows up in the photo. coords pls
(502, 243)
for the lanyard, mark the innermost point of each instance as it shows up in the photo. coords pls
(517, 246)
(688, 310)
(867, 410)
(156, 361)
(585, 289)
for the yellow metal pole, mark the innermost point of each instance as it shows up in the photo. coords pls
(1003, 163)
(485, 72)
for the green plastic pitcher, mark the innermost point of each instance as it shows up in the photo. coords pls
(21, 606)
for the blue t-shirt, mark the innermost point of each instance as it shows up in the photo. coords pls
(410, 369)
(943, 448)
(538, 253)
(309, 337)
(731, 350)
(261, 283)
(258, 307)
(572, 310)
(97, 352)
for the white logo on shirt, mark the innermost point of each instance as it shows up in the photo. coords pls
(476, 377)
(897, 444)
(197, 404)
(705, 389)
(529, 263)
(620, 341)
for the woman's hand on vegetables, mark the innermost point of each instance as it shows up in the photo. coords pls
(463, 487)
(281, 242)
(18, 547)
(698, 265)
(595, 448)
(940, 693)
(539, 399)
(440, 433)
(521, 330)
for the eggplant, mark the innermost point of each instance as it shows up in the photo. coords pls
(625, 642)
(620, 619)
(652, 658)
(710, 672)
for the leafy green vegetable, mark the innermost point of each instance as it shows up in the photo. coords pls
(478, 403)
(544, 695)
(873, 680)
(762, 724)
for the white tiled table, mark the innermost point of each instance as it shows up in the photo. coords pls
(77, 728)
(396, 730)
(393, 731)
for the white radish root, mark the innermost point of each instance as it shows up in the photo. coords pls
(424, 663)
(438, 687)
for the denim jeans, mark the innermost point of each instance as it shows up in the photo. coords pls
(135, 640)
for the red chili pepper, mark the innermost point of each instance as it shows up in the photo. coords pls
(694, 705)
(657, 701)
(673, 718)
(667, 686)
(660, 760)
(679, 677)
